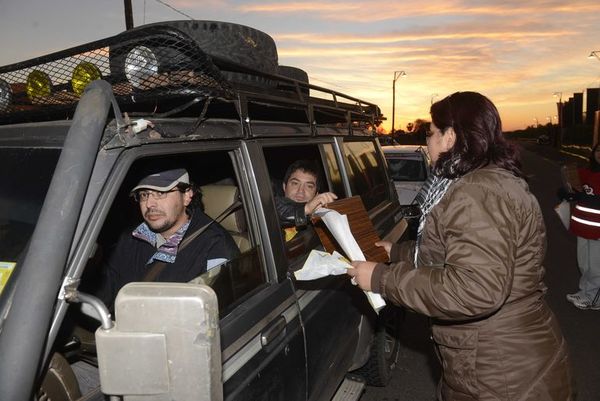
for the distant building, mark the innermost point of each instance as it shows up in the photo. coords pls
(593, 95)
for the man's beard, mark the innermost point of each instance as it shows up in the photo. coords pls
(159, 227)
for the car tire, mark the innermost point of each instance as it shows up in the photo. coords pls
(384, 348)
(293, 73)
(232, 43)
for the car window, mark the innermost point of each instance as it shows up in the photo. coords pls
(366, 173)
(407, 168)
(25, 174)
(214, 174)
(300, 240)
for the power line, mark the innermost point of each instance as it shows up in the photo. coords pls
(174, 9)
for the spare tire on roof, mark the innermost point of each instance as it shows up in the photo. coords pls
(294, 73)
(229, 42)
(234, 43)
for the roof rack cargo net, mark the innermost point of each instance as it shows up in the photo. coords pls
(143, 66)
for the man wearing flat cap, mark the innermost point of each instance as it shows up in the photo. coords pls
(176, 242)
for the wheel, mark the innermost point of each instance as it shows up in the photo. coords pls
(239, 44)
(60, 383)
(233, 43)
(384, 348)
(294, 73)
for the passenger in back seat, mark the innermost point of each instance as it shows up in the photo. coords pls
(301, 185)
(176, 242)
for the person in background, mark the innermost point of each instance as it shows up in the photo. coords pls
(301, 197)
(585, 224)
(476, 266)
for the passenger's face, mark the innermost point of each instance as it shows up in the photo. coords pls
(597, 155)
(301, 186)
(166, 216)
(438, 142)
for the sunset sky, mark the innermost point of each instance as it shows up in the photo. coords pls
(515, 52)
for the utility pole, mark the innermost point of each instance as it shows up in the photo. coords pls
(397, 74)
(128, 15)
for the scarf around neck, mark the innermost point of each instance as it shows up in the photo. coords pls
(167, 252)
(437, 189)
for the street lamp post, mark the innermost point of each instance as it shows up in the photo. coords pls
(397, 74)
(596, 53)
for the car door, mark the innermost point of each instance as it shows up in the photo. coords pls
(331, 308)
(263, 355)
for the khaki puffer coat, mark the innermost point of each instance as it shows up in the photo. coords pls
(479, 277)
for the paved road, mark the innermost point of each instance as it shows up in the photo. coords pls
(417, 372)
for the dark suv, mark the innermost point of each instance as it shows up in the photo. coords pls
(80, 127)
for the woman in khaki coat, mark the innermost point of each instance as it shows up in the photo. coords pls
(476, 267)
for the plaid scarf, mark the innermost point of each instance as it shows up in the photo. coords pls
(167, 252)
(436, 191)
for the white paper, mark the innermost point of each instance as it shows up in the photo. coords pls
(320, 264)
(339, 227)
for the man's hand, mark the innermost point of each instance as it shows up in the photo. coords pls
(362, 273)
(320, 200)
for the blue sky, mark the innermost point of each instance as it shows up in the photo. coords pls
(517, 53)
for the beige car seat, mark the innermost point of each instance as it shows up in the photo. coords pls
(216, 199)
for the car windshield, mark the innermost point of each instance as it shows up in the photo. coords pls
(407, 169)
(25, 175)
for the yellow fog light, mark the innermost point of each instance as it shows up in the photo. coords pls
(83, 74)
(5, 95)
(38, 84)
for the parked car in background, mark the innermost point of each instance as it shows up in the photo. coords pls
(543, 139)
(409, 168)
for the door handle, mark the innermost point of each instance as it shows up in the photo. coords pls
(272, 331)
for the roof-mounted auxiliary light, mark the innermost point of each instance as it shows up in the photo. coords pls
(38, 84)
(5, 95)
(83, 74)
(141, 65)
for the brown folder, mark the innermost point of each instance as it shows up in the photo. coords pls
(360, 225)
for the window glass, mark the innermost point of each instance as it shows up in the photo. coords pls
(332, 170)
(25, 176)
(214, 176)
(407, 169)
(366, 173)
(300, 240)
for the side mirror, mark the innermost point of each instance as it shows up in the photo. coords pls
(165, 344)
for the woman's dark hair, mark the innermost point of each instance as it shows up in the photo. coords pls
(594, 165)
(479, 137)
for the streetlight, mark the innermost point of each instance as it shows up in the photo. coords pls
(433, 96)
(537, 123)
(596, 53)
(397, 74)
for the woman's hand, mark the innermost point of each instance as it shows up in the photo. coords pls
(361, 274)
(386, 245)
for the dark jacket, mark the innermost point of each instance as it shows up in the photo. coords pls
(290, 212)
(479, 277)
(128, 261)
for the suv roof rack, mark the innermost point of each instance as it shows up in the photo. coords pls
(159, 70)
